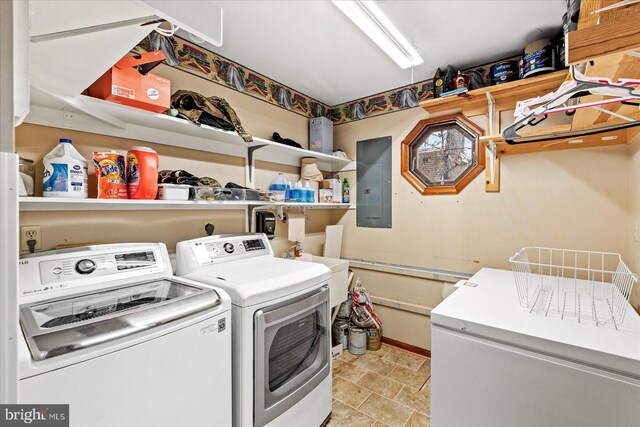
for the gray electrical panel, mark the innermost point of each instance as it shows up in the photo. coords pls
(373, 196)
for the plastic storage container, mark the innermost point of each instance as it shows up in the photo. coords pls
(65, 172)
(321, 135)
(173, 191)
(225, 194)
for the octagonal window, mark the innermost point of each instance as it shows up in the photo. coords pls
(442, 155)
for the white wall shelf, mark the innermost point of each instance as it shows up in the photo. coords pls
(47, 204)
(97, 116)
(291, 205)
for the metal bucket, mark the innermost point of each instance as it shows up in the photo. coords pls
(374, 337)
(357, 340)
(341, 332)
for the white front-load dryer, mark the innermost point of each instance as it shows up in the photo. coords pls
(281, 335)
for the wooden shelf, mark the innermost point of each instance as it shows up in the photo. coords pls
(618, 137)
(474, 102)
(605, 33)
(93, 115)
(47, 204)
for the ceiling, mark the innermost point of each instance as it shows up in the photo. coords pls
(315, 49)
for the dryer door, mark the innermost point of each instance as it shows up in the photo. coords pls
(291, 353)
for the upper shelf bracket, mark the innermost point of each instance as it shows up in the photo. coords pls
(251, 166)
(492, 184)
(492, 161)
(492, 111)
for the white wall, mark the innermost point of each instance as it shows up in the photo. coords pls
(575, 199)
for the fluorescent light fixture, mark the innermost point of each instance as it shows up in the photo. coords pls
(375, 24)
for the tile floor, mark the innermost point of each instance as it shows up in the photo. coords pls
(389, 387)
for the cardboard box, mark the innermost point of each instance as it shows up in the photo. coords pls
(332, 191)
(325, 195)
(336, 351)
(124, 84)
(321, 135)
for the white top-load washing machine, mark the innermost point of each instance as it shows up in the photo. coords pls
(110, 331)
(281, 335)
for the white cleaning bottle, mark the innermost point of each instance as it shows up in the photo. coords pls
(65, 172)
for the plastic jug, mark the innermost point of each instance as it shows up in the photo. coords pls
(309, 193)
(279, 187)
(142, 173)
(65, 172)
(297, 192)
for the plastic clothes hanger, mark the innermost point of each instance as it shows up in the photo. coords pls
(531, 112)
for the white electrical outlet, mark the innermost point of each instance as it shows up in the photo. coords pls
(30, 232)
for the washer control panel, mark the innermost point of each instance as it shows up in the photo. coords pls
(229, 248)
(99, 265)
(52, 272)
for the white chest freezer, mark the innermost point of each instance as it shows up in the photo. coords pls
(495, 364)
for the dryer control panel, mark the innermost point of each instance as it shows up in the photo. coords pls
(226, 248)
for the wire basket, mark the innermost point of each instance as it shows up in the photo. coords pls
(592, 287)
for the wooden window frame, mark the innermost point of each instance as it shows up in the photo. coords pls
(405, 154)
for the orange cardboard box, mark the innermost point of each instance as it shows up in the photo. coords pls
(125, 84)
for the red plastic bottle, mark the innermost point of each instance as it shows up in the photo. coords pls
(142, 173)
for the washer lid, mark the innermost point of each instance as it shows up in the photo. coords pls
(491, 310)
(60, 326)
(257, 280)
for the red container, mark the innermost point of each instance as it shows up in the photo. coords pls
(142, 173)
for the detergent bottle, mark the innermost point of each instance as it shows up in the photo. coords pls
(142, 173)
(65, 172)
